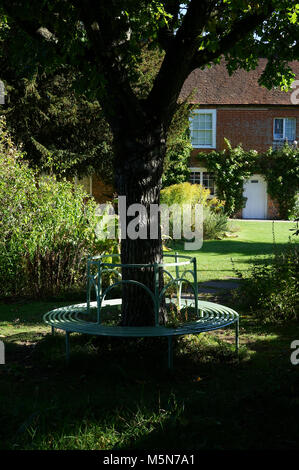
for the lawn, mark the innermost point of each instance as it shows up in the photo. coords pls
(119, 394)
(254, 240)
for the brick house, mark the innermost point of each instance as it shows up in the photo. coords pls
(237, 108)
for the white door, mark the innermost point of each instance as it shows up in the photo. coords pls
(255, 190)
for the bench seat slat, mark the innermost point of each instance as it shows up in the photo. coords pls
(215, 316)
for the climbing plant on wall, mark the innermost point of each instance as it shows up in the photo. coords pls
(233, 166)
(281, 170)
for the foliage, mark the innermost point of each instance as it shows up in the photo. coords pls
(178, 147)
(281, 169)
(231, 168)
(185, 193)
(214, 220)
(60, 131)
(295, 230)
(271, 289)
(176, 162)
(47, 228)
(63, 132)
(104, 42)
(214, 224)
(295, 210)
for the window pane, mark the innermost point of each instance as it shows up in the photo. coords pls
(205, 121)
(195, 121)
(278, 128)
(195, 177)
(208, 137)
(290, 128)
(195, 137)
(201, 138)
(208, 181)
(208, 121)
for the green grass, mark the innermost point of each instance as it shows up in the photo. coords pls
(119, 394)
(255, 240)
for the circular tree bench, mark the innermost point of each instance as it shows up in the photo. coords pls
(76, 318)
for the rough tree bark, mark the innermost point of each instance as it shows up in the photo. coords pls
(138, 172)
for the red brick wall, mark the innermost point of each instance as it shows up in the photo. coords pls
(252, 127)
(272, 209)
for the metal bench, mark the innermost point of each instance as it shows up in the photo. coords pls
(75, 318)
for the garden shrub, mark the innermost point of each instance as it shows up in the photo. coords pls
(187, 193)
(295, 210)
(215, 222)
(271, 288)
(47, 228)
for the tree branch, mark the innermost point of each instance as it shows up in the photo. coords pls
(238, 32)
(176, 65)
(166, 33)
(183, 55)
(119, 102)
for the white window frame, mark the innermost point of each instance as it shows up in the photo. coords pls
(203, 170)
(213, 112)
(283, 128)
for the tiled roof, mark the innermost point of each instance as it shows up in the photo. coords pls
(214, 86)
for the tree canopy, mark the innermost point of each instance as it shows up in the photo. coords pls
(104, 39)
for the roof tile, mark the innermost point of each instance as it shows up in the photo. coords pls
(214, 86)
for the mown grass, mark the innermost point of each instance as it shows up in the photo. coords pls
(217, 258)
(119, 394)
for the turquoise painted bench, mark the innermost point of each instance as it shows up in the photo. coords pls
(75, 318)
(212, 316)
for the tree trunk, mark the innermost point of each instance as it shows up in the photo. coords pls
(138, 172)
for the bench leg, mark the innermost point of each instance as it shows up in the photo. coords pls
(67, 346)
(170, 353)
(52, 330)
(237, 336)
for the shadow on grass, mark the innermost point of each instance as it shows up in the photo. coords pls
(118, 393)
(232, 247)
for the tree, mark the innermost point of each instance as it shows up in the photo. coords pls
(59, 131)
(63, 132)
(105, 38)
(178, 147)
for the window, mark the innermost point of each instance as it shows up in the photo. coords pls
(201, 176)
(208, 182)
(195, 177)
(203, 128)
(284, 128)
